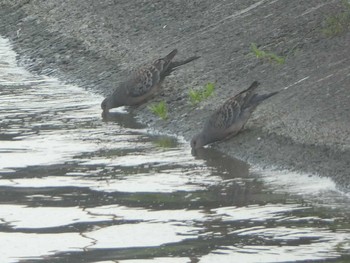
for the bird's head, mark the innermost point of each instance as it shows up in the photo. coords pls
(112, 101)
(198, 141)
(104, 105)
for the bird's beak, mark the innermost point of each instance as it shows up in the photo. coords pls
(104, 114)
(194, 152)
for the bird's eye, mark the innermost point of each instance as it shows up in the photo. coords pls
(193, 143)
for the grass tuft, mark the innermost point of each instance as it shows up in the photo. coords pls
(261, 54)
(339, 23)
(196, 96)
(160, 109)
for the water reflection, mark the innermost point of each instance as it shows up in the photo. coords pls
(78, 188)
(125, 119)
(223, 164)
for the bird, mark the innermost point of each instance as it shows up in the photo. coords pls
(230, 118)
(143, 83)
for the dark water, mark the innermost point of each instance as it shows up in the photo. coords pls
(75, 188)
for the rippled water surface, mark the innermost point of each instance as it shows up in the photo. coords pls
(75, 188)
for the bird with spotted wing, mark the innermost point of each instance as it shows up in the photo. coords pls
(144, 83)
(230, 118)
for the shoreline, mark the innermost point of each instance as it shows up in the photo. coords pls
(304, 128)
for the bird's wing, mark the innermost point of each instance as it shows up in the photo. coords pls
(146, 78)
(143, 81)
(230, 111)
(225, 116)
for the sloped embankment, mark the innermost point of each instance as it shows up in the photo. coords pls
(305, 127)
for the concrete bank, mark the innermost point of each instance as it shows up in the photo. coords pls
(305, 128)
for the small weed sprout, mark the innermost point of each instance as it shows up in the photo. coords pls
(257, 52)
(339, 23)
(261, 54)
(208, 90)
(159, 109)
(196, 96)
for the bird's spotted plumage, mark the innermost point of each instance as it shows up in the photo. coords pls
(143, 83)
(230, 118)
(231, 110)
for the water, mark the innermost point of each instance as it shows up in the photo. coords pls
(75, 188)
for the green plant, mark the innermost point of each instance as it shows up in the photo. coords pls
(160, 109)
(196, 96)
(339, 23)
(261, 54)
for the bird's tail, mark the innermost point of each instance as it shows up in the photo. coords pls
(175, 64)
(171, 55)
(245, 96)
(249, 97)
(257, 99)
(250, 90)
